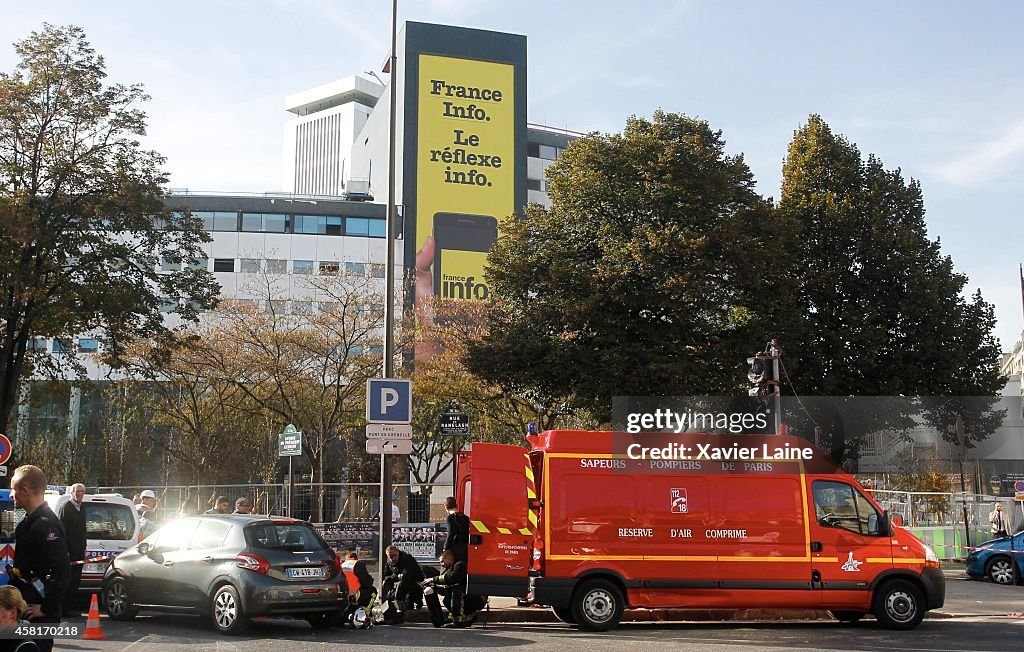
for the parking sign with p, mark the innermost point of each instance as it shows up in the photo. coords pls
(388, 400)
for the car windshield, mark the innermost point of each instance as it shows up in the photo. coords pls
(108, 521)
(283, 536)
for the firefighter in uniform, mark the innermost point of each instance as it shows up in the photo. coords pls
(360, 588)
(42, 567)
(451, 583)
(402, 577)
(458, 530)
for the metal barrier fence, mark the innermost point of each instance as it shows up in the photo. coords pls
(318, 502)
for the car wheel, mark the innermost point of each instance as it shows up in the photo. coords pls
(597, 606)
(848, 617)
(564, 614)
(226, 612)
(115, 599)
(1000, 570)
(324, 620)
(898, 604)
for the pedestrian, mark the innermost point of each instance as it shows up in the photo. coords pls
(458, 530)
(41, 564)
(243, 506)
(137, 498)
(396, 513)
(12, 608)
(1000, 522)
(72, 517)
(401, 580)
(220, 506)
(147, 525)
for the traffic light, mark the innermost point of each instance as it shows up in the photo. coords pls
(763, 376)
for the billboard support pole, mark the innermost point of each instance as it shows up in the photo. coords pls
(389, 291)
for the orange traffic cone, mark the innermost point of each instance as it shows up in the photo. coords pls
(92, 626)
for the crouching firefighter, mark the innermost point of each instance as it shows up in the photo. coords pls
(361, 592)
(451, 583)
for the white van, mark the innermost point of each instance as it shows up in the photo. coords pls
(111, 526)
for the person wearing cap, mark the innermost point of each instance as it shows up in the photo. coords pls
(243, 506)
(221, 506)
(148, 498)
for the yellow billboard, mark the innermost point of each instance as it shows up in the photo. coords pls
(465, 171)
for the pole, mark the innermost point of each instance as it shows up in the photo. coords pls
(389, 291)
(776, 352)
(961, 435)
(291, 486)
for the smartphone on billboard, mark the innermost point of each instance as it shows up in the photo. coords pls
(460, 254)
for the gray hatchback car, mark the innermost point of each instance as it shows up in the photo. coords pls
(232, 567)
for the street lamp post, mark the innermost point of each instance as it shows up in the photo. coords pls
(389, 291)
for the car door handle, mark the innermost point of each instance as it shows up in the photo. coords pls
(168, 564)
(816, 546)
(207, 560)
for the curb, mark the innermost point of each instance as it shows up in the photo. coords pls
(545, 615)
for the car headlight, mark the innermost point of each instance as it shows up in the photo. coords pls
(929, 556)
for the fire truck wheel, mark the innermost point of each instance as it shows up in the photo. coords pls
(564, 614)
(898, 604)
(597, 606)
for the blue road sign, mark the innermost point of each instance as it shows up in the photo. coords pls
(388, 400)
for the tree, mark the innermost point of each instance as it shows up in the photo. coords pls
(881, 308)
(653, 271)
(81, 212)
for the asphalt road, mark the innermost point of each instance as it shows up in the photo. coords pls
(978, 616)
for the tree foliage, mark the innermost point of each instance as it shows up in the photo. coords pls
(882, 311)
(79, 203)
(652, 273)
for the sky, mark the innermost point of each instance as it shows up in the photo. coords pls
(932, 87)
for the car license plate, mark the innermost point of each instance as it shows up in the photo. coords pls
(316, 572)
(95, 568)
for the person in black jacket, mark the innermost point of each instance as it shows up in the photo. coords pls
(41, 564)
(72, 517)
(458, 530)
(402, 577)
(451, 583)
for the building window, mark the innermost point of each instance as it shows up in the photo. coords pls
(265, 222)
(277, 266)
(377, 271)
(357, 226)
(218, 220)
(88, 345)
(199, 263)
(302, 307)
(329, 268)
(356, 269)
(333, 224)
(167, 265)
(548, 152)
(278, 306)
(302, 266)
(535, 184)
(533, 150)
(168, 305)
(36, 344)
(223, 264)
(311, 224)
(378, 229)
(250, 266)
(60, 346)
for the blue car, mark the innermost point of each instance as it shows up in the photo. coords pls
(1000, 560)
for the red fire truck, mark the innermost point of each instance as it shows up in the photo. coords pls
(591, 523)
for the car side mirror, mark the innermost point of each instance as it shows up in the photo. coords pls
(144, 548)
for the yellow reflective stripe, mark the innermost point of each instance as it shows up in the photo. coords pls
(529, 474)
(480, 527)
(533, 518)
(504, 530)
(529, 493)
(525, 530)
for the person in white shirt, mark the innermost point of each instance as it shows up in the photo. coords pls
(1000, 522)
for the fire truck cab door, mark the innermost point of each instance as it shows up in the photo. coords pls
(500, 536)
